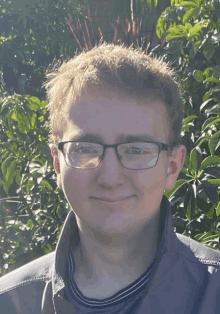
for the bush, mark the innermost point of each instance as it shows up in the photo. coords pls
(190, 42)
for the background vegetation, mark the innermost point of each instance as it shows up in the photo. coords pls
(35, 35)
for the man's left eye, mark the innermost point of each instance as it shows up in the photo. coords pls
(135, 151)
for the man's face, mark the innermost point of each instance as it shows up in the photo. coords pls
(135, 194)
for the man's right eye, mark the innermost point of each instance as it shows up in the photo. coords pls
(85, 150)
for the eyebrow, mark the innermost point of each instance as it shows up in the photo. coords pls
(124, 138)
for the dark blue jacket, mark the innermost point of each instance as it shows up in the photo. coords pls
(185, 278)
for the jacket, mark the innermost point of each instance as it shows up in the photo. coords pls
(185, 277)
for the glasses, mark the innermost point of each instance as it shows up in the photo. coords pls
(135, 155)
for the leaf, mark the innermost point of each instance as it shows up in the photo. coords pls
(194, 31)
(213, 171)
(210, 212)
(211, 160)
(188, 119)
(215, 109)
(187, 196)
(208, 50)
(44, 104)
(196, 157)
(206, 96)
(210, 191)
(47, 185)
(209, 122)
(198, 75)
(177, 185)
(214, 142)
(176, 32)
(23, 123)
(160, 27)
(10, 173)
(35, 100)
(188, 15)
(6, 163)
(208, 72)
(33, 120)
(218, 209)
(205, 103)
(214, 181)
(212, 80)
(188, 4)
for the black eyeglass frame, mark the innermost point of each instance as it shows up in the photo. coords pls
(161, 146)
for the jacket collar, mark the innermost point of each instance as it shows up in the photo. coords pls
(70, 237)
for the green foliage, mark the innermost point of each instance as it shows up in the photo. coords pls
(189, 40)
(32, 208)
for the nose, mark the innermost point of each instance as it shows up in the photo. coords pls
(110, 172)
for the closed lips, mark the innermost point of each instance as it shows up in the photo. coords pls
(110, 200)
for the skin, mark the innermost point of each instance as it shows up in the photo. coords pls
(118, 240)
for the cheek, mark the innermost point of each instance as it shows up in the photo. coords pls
(75, 184)
(151, 181)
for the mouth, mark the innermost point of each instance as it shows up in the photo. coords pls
(108, 200)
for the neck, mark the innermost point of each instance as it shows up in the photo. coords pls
(101, 255)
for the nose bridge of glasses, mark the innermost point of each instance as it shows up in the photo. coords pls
(113, 148)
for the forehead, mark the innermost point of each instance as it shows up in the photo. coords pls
(112, 114)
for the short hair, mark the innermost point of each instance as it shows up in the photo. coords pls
(112, 67)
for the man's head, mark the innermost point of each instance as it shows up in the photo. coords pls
(113, 95)
(117, 68)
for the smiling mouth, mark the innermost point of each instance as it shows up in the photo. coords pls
(107, 200)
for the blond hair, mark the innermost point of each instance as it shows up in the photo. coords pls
(112, 67)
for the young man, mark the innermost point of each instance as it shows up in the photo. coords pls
(115, 117)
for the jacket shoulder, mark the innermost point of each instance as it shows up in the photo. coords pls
(204, 254)
(35, 271)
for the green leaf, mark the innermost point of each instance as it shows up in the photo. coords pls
(161, 27)
(212, 80)
(214, 181)
(188, 15)
(178, 31)
(35, 100)
(208, 72)
(196, 157)
(209, 122)
(208, 50)
(214, 142)
(188, 4)
(44, 104)
(215, 109)
(198, 75)
(205, 103)
(6, 163)
(33, 120)
(177, 185)
(188, 119)
(210, 191)
(10, 173)
(206, 96)
(218, 209)
(23, 123)
(194, 31)
(14, 115)
(210, 212)
(210, 160)
(47, 185)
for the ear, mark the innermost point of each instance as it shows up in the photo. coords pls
(56, 165)
(176, 162)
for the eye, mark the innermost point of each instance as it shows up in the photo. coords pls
(85, 150)
(136, 151)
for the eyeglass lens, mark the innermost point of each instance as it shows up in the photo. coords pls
(138, 155)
